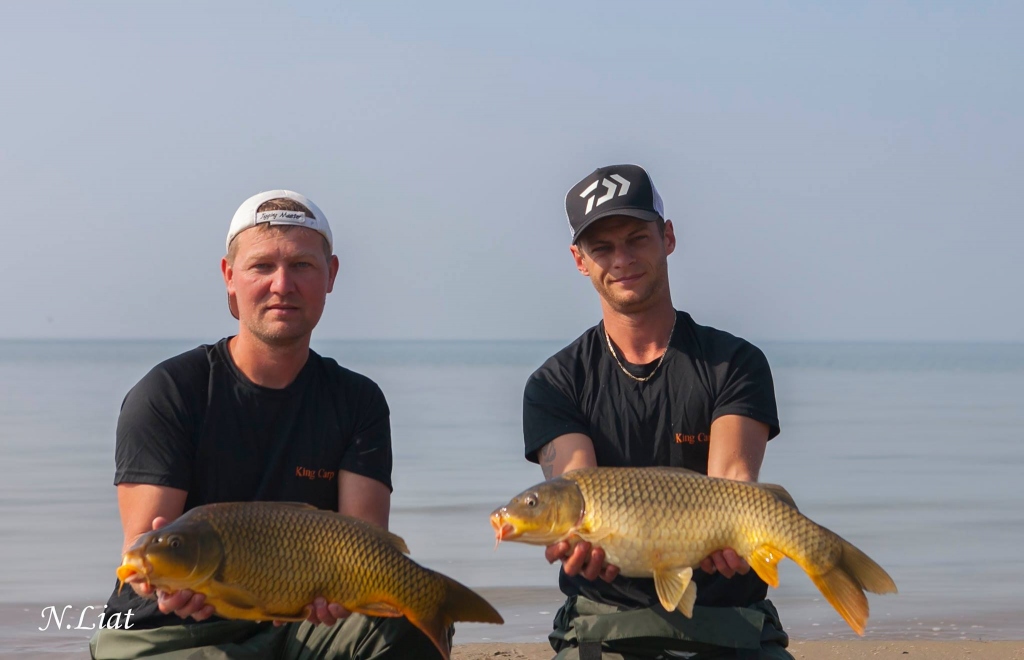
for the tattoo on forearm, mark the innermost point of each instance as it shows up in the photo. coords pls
(547, 460)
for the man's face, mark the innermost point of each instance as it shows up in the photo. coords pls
(627, 260)
(279, 282)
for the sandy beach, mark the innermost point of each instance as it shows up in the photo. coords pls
(30, 630)
(24, 633)
(811, 650)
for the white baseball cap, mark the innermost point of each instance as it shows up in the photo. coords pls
(246, 216)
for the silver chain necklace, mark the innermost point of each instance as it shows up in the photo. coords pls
(649, 376)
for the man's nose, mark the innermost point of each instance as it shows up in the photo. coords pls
(281, 282)
(622, 257)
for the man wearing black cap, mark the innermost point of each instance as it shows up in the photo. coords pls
(648, 386)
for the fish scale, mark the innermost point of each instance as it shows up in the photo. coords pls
(265, 560)
(663, 522)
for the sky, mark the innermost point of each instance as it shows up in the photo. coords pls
(835, 171)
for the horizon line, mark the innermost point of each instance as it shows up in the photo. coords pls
(503, 340)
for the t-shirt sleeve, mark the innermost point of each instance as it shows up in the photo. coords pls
(549, 411)
(154, 438)
(746, 388)
(369, 450)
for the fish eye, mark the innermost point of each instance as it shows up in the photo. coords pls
(530, 501)
(174, 541)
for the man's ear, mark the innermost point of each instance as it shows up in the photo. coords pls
(670, 238)
(229, 274)
(332, 272)
(578, 257)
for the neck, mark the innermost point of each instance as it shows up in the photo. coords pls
(640, 337)
(266, 365)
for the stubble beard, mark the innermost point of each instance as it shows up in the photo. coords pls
(279, 337)
(636, 301)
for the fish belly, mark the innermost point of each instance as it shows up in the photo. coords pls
(639, 550)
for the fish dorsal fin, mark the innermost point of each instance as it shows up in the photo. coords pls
(676, 470)
(671, 584)
(393, 539)
(780, 493)
(297, 505)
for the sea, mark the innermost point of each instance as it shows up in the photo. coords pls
(914, 452)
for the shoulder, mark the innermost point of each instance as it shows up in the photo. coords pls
(717, 346)
(188, 370)
(573, 362)
(345, 381)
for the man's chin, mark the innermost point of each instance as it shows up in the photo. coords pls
(629, 304)
(281, 335)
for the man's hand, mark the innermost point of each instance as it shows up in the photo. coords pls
(726, 562)
(583, 559)
(184, 603)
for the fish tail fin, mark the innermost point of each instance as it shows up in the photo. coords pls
(459, 603)
(844, 584)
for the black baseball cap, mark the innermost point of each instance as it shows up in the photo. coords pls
(613, 190)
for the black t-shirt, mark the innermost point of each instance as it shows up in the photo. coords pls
(197, 423)
(706, 373)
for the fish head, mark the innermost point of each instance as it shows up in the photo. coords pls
(542, 515)
(177, 556)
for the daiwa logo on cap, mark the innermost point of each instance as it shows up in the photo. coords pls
(612, 190)
(609, 185)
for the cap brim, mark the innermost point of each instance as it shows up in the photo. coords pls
(640, 214)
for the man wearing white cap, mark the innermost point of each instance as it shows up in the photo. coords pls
(256, 417)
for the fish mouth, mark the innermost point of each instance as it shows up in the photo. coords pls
(503, 530)
(133, 569)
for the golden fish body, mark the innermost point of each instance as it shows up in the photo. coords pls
(267, 560)
(662, 522)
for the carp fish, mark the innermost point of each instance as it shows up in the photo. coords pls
(662, 522)
(269, 560)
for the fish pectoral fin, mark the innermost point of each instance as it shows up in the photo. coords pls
(765, 562)
(688, 600)
(671, 585)
(236, 597)
(595, 536)
(377, 609)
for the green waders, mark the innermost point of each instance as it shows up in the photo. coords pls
(586, 630)
(357, 637)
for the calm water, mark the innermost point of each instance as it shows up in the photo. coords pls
(914, 452)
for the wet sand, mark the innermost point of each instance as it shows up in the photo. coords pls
(852, 650)
(30, 631)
